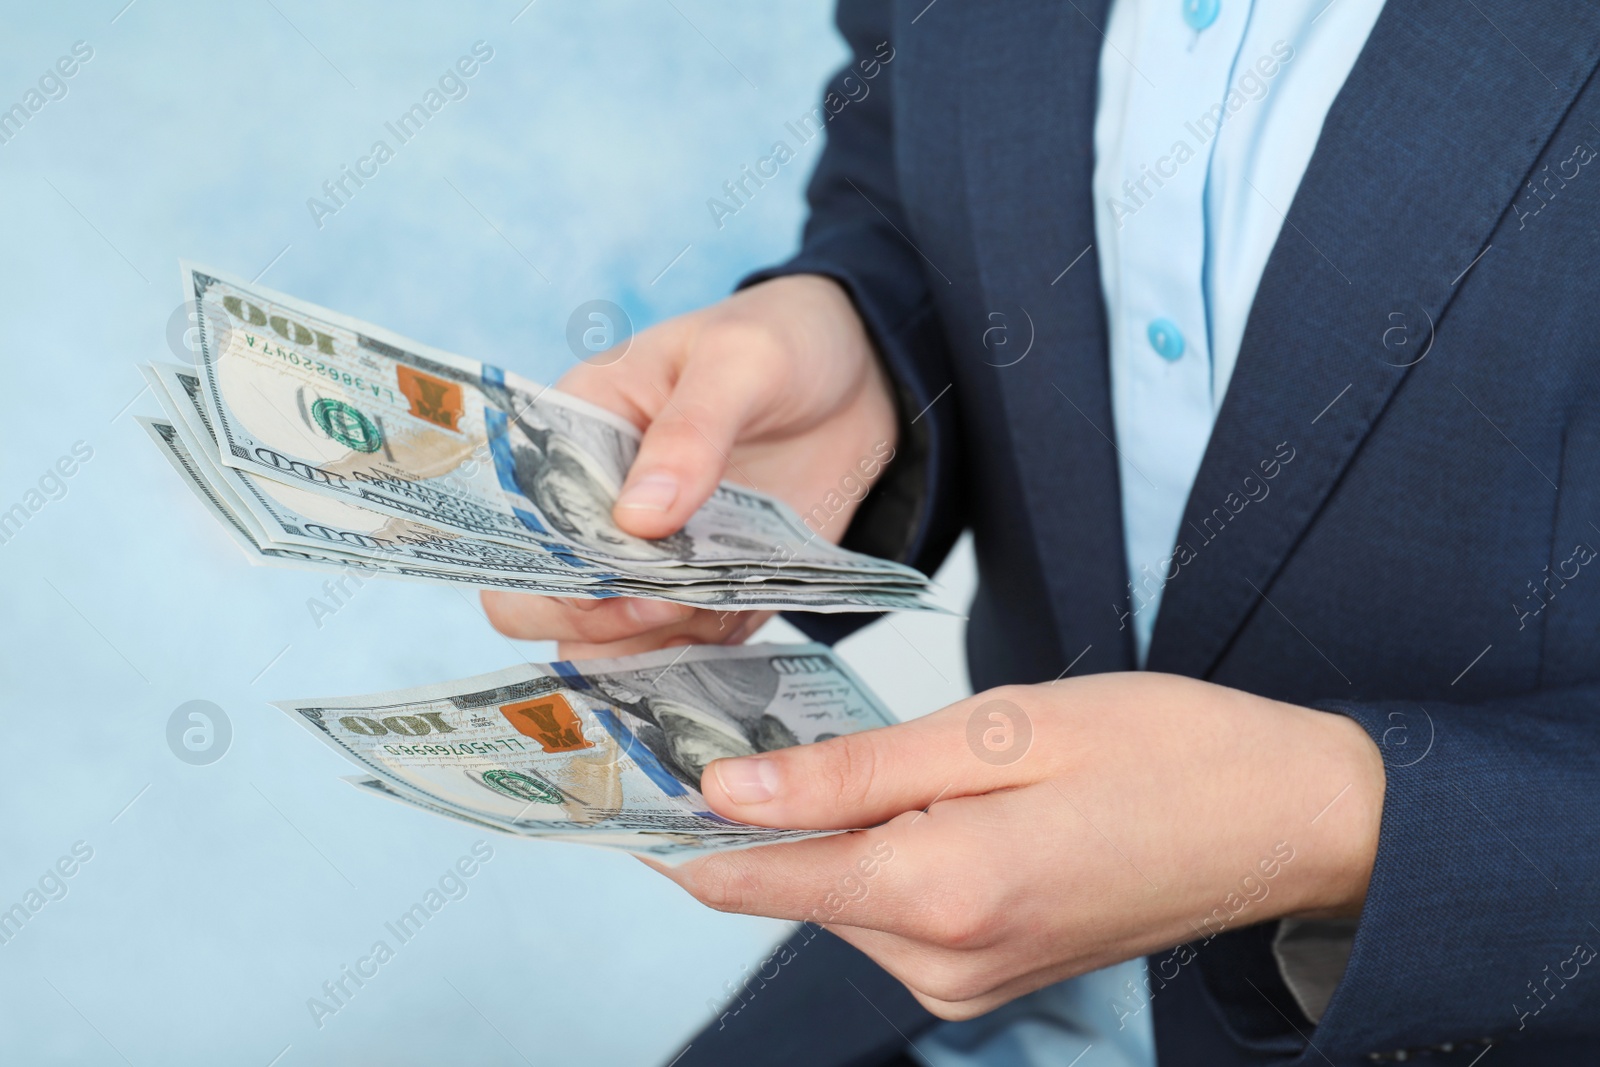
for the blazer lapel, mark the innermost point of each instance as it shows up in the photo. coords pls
(1423, 151)
(1029, 74)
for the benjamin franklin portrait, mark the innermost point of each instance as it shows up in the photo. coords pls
(574, 499)
(692, 713)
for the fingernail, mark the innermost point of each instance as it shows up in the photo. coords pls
(653, 613)
(747, 780)
(653, 492)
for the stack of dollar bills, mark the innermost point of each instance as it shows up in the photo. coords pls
(318, 440)
(605, 752)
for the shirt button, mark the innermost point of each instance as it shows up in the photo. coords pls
(1200, 13)
(1166, 339)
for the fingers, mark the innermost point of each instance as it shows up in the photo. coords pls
(919, 896)
(684, 453)
(691, 406)
(865, 778)
(814, 880)
(644, 623)
(896, 878)
(542, 618)
(626, 380)
(951, 983)
(702, 628)
(780, 360)
(959, 984)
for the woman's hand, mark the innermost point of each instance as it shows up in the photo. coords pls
(776, 387)
(1033, 833)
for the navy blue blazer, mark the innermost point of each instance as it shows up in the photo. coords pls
(1425, 340)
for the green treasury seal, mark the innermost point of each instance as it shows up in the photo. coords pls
(346, 425)
(522, 787)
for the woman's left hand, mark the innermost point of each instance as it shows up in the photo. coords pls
(1033, 833)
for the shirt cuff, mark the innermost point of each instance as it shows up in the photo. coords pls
(1311, 955)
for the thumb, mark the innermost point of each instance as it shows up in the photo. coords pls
(685, 450)
(860, 780)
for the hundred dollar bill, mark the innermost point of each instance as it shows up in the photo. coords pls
(165, 435)
(306, 396)
(241, 525)
(668, 847)
(605, 750)
(237, 520)
(259, 549)
(292, 516)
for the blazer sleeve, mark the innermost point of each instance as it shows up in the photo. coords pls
(1482, 919)
(858, 234)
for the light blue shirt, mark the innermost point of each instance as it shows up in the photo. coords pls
(1207, 117)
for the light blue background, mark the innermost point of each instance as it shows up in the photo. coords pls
(224, 896)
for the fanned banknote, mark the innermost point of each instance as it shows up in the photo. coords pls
(606, 752)
(323, 441)
(253, 540)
